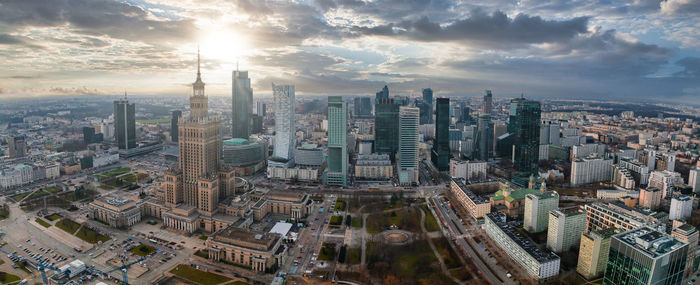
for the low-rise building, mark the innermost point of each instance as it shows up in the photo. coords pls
(117, 211)
(688, 234)
(475, 205)
(258, 251)
(614, 194)
(539, 264)
(650, 197)
(374, 166)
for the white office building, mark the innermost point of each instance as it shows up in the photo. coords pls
(407, 156)
(539, 264)
(590, 169)
(565, 228)
(665, 180)
(681, 208)
(694, 179)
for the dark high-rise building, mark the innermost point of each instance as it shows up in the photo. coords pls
(386, 127)
(525, 116)
(484, 138)
(256, 124)
(88, 135)
(488, 102)
(383, 94)
(241, 105)
(465, 116)
(428, 95)
(176, 115)
(363, 107)
(425, 112)
(125, 124)
(440, 155)
(261, 109)
(17, 146)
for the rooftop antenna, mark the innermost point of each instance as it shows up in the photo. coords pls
(124, 94)
(198, 62)
(236, 65)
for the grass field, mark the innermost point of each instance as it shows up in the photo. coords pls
(196, 275)
(336, 220)
(412, 261)
(4, 213)
(68, 226)
(445, 250)
(114, 172)
(354, 255)
(143, 250)
(431, 224)
(53, 217)
(339, 205)
(357, 222)
(42, 222)
(327, 252)
(91, 236)
(405, 219)
(6, 278)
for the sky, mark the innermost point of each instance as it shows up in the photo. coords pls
(634, 50)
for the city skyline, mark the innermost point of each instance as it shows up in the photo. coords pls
(542, 49)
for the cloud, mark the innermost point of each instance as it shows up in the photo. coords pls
(95, 17)
(493, 30)
(680, 7)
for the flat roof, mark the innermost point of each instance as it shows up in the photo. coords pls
(650, 241)
(475, 198)
(526, 244)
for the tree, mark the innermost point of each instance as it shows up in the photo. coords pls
(391, 280)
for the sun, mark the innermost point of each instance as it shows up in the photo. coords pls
(224, 45)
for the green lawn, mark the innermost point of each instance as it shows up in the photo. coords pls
(6, 278)
(114, 172)
(68, 225)
(336, 220)
(339, 205)
(53, 217)
(4, 213)
(52, 189)
(357, 222)
(203, 237)
(354, 255)
(143, 250)
(42, 222)
(195, 275)
(91, 236)
(405, 219)
(445, 250)
(327, 252)
(431, 224)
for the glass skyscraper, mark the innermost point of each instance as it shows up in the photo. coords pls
(407, 156)
(174, 125)
(241, 104)
(383, 94)
(285, 126)
(645, 256)
(363, 107)
(525, 116)
(125, 124)
(386, 127)
(441, 145)
(337, 171)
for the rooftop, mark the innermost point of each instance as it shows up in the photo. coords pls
(530, 247)
(475, 198)
(650, 242)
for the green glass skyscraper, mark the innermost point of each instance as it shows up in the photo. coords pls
(337, 171)
(525, 116)
(386, 127)
(241, 104)
(440, 155)
(645, 256)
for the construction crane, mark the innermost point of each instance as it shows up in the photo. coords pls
(124, 267)
(42, 268)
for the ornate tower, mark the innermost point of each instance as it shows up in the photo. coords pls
(199, 103)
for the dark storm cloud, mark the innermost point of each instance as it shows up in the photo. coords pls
(496, 28)
(94, 17)
(691, 67)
